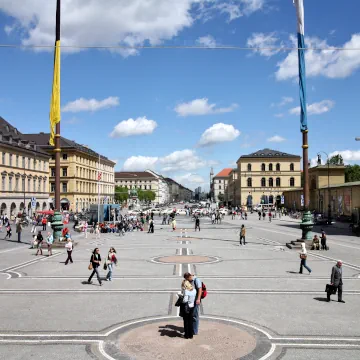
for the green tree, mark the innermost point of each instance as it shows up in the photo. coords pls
(336, 160)
(221, 197)
(146, 195)
(352, 173)
(121, 194)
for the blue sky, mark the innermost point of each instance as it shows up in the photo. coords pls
(181, 111)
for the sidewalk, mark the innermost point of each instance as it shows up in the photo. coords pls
(337, 225)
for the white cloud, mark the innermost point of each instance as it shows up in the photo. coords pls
(218, 133)
(331, 63)
(264, 44)
(280, 115)
(201, 107)
(206, 41)
(316, 108)
(90, 104)
(347, 155)
(284, 101)
(276, 138)
(130, 127)
(140, 163)
(190, 179)
(126, 23)
(180, 160)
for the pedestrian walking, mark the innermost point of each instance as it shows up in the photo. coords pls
(44, 222)
(95, 262)
(263, 215)
(39, 241)
(151, 226)
(197, 223)
(242, 234)
(85, 229)
(111, 261)
(259, 213)
(197, 284)
(323, 240)
(336, 281)
(19, 229)
(270, 217)
(69, 249)
(232, 214)
(8, 230)
(173, 224)
(97, 231)
(187, 308)
(34, 224)
(303, 257)
(49, 241)
(245, 215)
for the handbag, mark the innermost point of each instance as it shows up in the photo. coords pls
(179, 301)
(90, 267)
(303, 256)
(105, 266)
(35, 243)
(330, 289)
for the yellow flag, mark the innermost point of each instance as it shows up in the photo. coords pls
(55, 97)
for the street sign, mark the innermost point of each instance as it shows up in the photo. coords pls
(282, 200)
(302, 200)
(33, 202)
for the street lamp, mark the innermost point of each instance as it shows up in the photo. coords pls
(329, 197)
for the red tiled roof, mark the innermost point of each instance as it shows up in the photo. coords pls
(224, 172)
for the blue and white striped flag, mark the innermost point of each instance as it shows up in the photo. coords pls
(299, 4)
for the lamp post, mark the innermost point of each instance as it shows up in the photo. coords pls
(329, 196)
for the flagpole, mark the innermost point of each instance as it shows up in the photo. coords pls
(306, 223)
(99, 190)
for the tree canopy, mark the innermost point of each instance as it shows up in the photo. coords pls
(121, 194)
(336, 160)
(352, 173)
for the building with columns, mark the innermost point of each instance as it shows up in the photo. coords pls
(24, 169)
(264, 175)
(79, 173)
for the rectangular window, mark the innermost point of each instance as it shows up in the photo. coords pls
(3, 158)
(39, 186)
(10, 183)
(3, 183)
(64, 187)
(64, 156)
(23, 184)
(10, 159)
(23, 162)
(52, 187)
(34, 185)
(52, 171)
(44, 190)
(64, 172)
(34, 163)
(17, 160)
(17, 184)
(29, 182)
(29, 163)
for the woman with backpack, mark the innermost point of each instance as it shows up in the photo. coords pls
(187, 308)
(303, 257)
(95, 262)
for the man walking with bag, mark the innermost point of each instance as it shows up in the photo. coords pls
(336, 281)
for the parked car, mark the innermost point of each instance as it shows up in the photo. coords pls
(181, 212)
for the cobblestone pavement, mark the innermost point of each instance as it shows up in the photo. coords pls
(258, 305)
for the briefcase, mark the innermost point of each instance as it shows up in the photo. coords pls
(330, 289)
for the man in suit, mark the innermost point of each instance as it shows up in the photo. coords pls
(336, 281)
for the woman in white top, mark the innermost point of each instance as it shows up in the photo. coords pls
(69, 248)
(189, 295)
(97, 231)
(303, 257)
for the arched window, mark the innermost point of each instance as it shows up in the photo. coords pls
(263, 182)
(270, 167)
(262, 167)
(249, 182)
(278, 182)
(277, 167)
(271, 199)
(249, 167)
(291, 167)
(292, 182)
(271, 182)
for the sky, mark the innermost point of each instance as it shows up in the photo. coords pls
(181, 111)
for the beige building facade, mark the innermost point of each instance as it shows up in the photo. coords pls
(79, 174)
(24, 169)
(264, 175)
(232, 195)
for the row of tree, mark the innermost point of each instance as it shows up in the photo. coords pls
(122, 194)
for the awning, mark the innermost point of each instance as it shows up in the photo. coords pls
(64, 201)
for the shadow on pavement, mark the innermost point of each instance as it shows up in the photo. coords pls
(292, 272)
(320, 299)
(171, 331)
